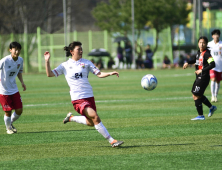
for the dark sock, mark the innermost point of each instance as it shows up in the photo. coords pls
(205, 101)
(199, 107)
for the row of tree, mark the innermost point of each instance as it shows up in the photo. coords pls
(116, 16)
(24, 16)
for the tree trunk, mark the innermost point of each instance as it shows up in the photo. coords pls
(49, 24)
(68, 19)
(157, 38)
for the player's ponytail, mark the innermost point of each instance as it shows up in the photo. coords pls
(67, 51)
(71, 47)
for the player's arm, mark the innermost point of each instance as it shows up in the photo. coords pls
(1, 63)
(21, 80)
(189, 62)
(211, 65)
(106, 74)
(49, 72)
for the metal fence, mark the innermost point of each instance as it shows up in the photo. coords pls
(34, 46)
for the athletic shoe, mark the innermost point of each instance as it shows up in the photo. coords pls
(212, 99)
(13, 129)
(200, 117)
(66, 120)
(215, 99)
(116, 143)
(10, 131)
(212, 110)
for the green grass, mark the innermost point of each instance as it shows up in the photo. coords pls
(155, 126)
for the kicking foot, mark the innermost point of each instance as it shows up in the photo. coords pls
(66, 120)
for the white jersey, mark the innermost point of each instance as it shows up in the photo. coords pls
(76, 74)
(9, 69)
(216, 52)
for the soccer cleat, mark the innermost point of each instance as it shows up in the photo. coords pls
(66, 120)
(212, 99)
(116, 143)
(200, 117)
(13, 129)
(212, 110)
(215, 99)
(10, 131)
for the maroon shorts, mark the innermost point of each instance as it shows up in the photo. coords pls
(216, 75)
(81, 104)
(10, 102)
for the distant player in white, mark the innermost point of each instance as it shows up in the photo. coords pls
(10, 67)
(215, 46)
(76, 71)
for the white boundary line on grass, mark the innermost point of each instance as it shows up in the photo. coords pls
(106, 101)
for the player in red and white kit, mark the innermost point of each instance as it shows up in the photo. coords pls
(10, 67)
(76, 71)
(215, 47)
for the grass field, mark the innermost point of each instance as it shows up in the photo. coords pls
(155, 126)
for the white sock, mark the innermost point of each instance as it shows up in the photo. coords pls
(217, 87)
(212, 87)
(78, 119)
(7, 122)
(14, 117)
(103, 131)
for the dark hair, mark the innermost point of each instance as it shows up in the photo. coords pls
(203, 37)
(216, 32)
(15, 45)
(71, 47)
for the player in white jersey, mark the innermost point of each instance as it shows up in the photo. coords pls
(76, 71)
(10, 67)
(215, 46)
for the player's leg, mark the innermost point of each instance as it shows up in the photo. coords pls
(7, 107)
(95, 119)
(199, 107)
(7, 120)
(87, 108)
(16, 114)
(212, 87)
(212, 84)
(79, 106)
(217, 85)
(197, 91)
(17, 104)
(203, 85)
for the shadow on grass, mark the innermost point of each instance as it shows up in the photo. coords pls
(216, 146)
(214, 118)
(56, 131)
(135, 146)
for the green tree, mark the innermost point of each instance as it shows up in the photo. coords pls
(115, 16)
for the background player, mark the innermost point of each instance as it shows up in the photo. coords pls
(203, 63)
(215, 47)
(10, 67)
(76, 71)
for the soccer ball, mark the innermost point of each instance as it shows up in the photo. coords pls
(149, 82)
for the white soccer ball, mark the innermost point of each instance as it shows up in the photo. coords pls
(149, 82)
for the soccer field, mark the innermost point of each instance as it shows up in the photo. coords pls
(154, 125)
